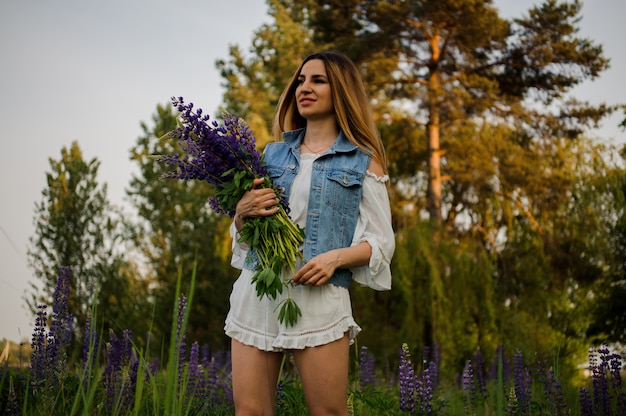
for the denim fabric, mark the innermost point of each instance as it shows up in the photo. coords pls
(334, 197)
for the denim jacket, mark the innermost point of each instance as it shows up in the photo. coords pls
(334, 197)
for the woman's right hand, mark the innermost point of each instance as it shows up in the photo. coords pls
(257, 202)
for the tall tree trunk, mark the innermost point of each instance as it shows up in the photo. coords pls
(434, 154)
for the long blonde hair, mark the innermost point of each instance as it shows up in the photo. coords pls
(352, 107)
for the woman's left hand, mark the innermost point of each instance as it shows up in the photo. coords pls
(318, 270)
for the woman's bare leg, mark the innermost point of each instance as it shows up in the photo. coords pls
(255, 374)
(324, 374)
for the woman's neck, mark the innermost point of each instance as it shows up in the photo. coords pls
(321, 133)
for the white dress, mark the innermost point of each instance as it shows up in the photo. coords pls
(326, 310)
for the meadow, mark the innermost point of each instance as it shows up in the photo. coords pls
(115, 377)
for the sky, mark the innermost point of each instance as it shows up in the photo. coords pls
(93, 71)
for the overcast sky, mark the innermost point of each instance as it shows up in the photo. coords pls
(92, 71)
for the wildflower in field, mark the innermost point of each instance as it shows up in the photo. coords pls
(120, 374)
(62, 320)
(469, 388)
(606, 382)
(194, 373)
(406, 375)
(38, 359)
(522, 384)
(226, 157)
(479, 374)
(367, 362)
(426, 388)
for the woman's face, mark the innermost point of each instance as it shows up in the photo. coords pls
(313, 94)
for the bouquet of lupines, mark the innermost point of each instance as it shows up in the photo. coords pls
(226, 157)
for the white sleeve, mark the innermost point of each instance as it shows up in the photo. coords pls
(374, 226)
(239, 250)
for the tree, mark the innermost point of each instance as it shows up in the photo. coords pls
(609, 195)
(75, 226)
(254, 84)
(176, 228)
(459, 63)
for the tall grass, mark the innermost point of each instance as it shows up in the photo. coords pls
(115, 377)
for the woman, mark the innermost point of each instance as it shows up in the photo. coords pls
(329, 159)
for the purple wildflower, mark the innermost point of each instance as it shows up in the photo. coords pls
(61, 327)
(586, 403)
(38, 359)
(214, 153)
(407, 379)
(469, 387)
(367, 362)
(280, 395)
(616, 368)
(426, 388)
(522, 384)
(605, 369)
(479, 374)
(552, 389)
(193, 372)
(599, 370)
(120, 375)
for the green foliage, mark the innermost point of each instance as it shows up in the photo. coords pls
(608, 194)
(75, 226)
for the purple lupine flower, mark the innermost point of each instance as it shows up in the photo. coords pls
(38, 359)
(193, 372)
(62, 320)
(586, 403)
(213, 153)
(601, 395)
(407, 379)
(367, 362)
(522, 384)
(280, 395)
(120, 374)
(552, 389)
(436, 363)
(479, 374)
(616, 368)
(206, 381)
(469, 387)
(426, 388)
